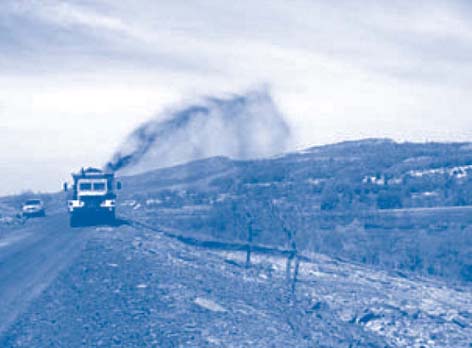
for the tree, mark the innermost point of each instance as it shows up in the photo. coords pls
(249, 222)
(329, 198)
(389, 200)
(290, 232)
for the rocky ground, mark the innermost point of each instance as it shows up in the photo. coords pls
(132, 287)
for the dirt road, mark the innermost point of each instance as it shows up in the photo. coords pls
(30, 258)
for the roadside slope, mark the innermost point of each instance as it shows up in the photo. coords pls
(133, 287)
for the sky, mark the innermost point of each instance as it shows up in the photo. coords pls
(76, 77)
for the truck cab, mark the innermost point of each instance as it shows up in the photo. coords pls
(93, 198)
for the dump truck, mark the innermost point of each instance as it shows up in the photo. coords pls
(93, 198)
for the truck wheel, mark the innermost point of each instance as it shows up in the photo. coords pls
(111, 218)
(74, 221)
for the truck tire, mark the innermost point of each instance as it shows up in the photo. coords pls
(111, 218)
(74, 221)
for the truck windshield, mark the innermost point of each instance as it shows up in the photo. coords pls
(99, 186)
(92, 186)
(85, 186)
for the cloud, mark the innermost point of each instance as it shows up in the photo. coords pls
(337, 70)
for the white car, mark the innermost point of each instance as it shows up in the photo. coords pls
(33, 207)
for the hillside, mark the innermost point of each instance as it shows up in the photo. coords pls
(131, 287)
(402, 206)
(358, 175)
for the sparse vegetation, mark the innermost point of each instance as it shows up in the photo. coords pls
(352, 200)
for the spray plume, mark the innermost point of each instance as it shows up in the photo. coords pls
(241, 127)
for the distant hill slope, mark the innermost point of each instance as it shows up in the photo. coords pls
(373, 173)
(368, 201)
